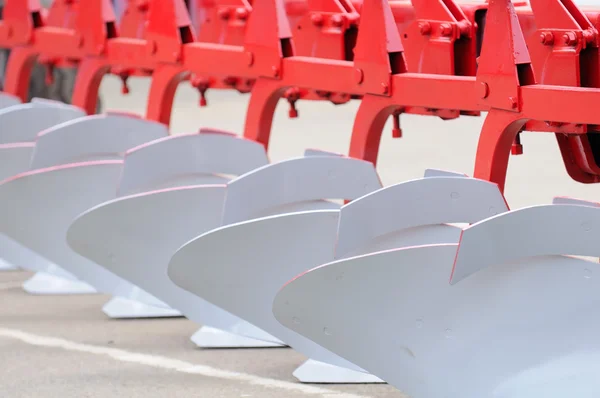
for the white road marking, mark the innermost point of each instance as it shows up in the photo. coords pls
(170, 364)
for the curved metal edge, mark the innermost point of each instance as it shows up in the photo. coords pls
(206, 153)
(92, 137)
(565, 229)
(22, 123)
(59, 167)
(45, 201)
(179, 263)
(135, 236)
(106, 232)
(15, 158)
(319, 152)
(414, 203)
(17, 108)
(298, 180)
(211, 130)
(45, 102)
(337, 306)
(442, 173)
(240, 269)
(8, 100)
(565, 200)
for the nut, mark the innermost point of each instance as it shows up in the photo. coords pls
(546, 38)
(425, 28)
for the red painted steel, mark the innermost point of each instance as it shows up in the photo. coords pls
(429, 57)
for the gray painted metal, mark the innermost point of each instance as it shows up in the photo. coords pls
(15, 158)
(46, 102)
(244, 264)
(135, 235)
(188, 160)
(39, 205)
(485, 337)
(16, 153)
(97, 137)
(292, 181)
(564, 200)
(442, 173)
(528, 232)
(7, 100)
(413, 212)
(82, 139)
(23, 122)
(318, 152)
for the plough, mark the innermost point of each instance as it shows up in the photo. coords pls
(371, 283)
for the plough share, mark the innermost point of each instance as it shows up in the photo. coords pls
(382, 286)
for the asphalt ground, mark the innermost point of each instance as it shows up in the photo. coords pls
(65, 346)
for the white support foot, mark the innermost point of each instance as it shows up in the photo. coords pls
(313, 371)
(124, 308)
(208, 337)
(44, 283)
(6, 266)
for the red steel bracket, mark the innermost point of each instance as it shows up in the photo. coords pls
(160, 28)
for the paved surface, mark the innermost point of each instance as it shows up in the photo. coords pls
(66, 347)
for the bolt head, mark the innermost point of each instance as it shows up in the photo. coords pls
(250, 58)
(224, 13)
(512, 102)
(385, 88)
(241, 13)
(589, 35)
(338, 20)
(142, 5)
(353, 18)
(570, 38)
(446, 29)
(275, 71)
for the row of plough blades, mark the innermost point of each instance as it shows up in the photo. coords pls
(370, 283)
